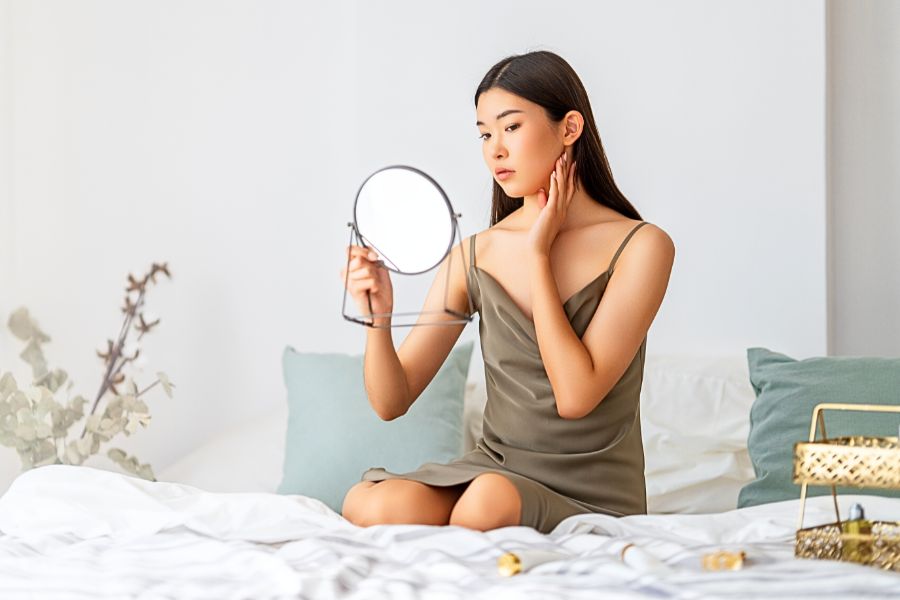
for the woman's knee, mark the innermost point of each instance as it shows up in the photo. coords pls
(491, 501)
(355, 500)
(399, 501)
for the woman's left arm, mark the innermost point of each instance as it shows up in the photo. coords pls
(583, 371)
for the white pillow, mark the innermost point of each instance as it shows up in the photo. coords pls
(695, 419)
(245, 458)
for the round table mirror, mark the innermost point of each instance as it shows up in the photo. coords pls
(404, 216)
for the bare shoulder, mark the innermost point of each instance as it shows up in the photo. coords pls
(484, 239)
(459, 268)
(604, 237)
(651, 235)
(499, 234)
(649, 243)
(655, 237)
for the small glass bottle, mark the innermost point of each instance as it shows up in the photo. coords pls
(856, 540)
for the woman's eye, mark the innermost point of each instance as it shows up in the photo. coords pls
(481, 137)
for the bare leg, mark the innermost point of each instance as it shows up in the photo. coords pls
(490, 501)
(400, 501)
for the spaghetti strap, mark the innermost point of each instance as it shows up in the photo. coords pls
(622, 246)
(472, 250)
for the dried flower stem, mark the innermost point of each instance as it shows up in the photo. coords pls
(114, 365)
(147, 389)
(113, 370)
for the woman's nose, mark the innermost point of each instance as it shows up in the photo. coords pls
(496, 149)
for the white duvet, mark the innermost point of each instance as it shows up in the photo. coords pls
(80, 532)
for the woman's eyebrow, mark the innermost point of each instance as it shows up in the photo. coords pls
(501, 115)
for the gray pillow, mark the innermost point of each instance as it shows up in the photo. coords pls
(787, 391)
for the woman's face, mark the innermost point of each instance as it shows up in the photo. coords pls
(525, 141)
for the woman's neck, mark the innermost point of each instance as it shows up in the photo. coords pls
(583, 210)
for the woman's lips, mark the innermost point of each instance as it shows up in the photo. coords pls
(502, 175)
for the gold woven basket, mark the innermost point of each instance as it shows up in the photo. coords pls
(858, 461)
(880, 549)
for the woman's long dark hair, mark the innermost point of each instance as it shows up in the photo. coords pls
(547, 79)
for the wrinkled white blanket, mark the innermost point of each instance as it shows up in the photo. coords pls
(80, 532)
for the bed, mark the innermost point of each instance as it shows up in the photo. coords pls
(212, 527)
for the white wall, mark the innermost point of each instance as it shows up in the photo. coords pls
(229, 138)
(864, 125)
(6, 215)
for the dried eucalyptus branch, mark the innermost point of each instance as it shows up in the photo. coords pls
(37, 424)
(114, 353)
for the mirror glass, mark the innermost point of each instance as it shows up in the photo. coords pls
(405, 217)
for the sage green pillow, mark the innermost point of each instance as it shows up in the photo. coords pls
(334, 435)
(787, 391)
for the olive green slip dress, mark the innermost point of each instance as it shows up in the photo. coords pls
(561, 467)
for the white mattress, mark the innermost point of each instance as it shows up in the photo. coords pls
(79, 532)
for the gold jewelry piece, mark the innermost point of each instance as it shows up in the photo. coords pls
(724, 561)
(509, 564)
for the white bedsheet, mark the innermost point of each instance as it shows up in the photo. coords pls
(79, 532)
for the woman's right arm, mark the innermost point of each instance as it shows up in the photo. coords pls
(395, 378)
(384, 376)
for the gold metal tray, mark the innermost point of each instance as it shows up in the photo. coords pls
(880, 549)
(859, 461)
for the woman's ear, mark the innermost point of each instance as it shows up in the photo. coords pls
(574, 126)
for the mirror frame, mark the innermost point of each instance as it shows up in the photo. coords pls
(371, 245)
(455, 235)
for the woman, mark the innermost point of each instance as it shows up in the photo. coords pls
(561, 424)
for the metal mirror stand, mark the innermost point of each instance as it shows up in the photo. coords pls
(369, 320)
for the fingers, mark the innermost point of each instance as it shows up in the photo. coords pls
(363, 272)
(363, 269)
(368, 253)
(570, 179)
(361, 257)
(360, 282)
(551, 191)
(563, 173)
(366, 284)
(556, 183)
